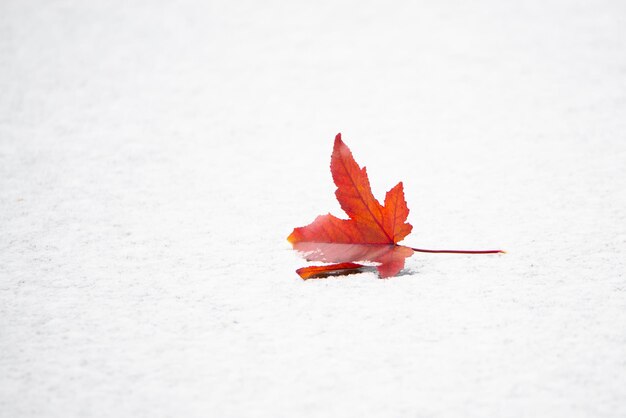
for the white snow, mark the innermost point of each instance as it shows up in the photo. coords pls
(154, 158)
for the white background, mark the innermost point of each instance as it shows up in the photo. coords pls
(154, 158)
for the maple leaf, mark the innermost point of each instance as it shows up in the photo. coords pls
(372, 232)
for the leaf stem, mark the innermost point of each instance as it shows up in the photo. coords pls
(420, 250)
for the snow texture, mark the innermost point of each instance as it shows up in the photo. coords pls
(154, 158)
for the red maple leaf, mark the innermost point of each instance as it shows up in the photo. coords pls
(370, 235)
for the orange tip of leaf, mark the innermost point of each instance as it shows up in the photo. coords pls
(318, 272)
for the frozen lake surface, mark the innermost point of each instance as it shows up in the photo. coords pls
(154, 158)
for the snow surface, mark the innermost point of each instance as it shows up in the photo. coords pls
(154, 158)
